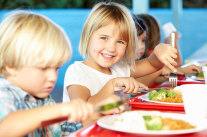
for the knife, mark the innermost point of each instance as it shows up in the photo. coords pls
(97, 109)
(142, 90)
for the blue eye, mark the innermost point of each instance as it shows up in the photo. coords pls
(103, 38)
(122, 42)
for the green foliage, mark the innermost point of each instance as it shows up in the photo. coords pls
(55, 4)
(159, 3)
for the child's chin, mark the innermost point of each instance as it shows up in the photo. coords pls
(43, 95)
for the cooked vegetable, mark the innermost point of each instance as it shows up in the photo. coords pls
(151, 94)
(159, 95)
(200, 74)
(171, 94)
(162, 94)
(153, 122)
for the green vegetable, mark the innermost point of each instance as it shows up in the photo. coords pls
(160, 95)
(200, 74)
(110, 106)
(171, 94)
(153, 123)
(147, 118)
(151, 95)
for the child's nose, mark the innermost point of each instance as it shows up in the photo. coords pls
(111, 46)
(52, 75)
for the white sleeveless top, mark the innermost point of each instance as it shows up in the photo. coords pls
(81, 74)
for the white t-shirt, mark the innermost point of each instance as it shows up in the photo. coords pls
(81, 74)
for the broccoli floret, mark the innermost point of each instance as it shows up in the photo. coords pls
(147, 118)
(200, 74)
(153, 123)
(151, 94)
(171, 94)
(159, 95)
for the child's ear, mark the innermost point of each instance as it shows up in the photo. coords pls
(11, 70)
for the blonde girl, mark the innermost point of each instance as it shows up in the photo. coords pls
(108, 43)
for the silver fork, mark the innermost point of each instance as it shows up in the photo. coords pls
(173, 79)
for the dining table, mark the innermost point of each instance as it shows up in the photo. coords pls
(94, 130)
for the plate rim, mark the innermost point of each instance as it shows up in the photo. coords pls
(167, 103)
(148, 132)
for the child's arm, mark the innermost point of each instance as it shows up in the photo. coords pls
(23, 122)
(164, 54)
(131, 87)
(191, 69)
(149, 79)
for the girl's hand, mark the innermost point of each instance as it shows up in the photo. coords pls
(167, 55)
(77, 110)
(166, 72)
(191, 69)
(131, 86)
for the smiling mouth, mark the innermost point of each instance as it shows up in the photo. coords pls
(106, 55)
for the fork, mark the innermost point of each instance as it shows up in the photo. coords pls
(172, 39)
(173, 79)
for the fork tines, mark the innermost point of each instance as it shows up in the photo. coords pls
(173, 80)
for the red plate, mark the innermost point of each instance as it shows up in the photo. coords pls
(182, 82)
(136, 102)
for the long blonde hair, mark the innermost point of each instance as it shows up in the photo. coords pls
(28, 39)
(103, 14)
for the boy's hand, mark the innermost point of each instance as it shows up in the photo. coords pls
(77, 110)
(166, 54)
(109, 100)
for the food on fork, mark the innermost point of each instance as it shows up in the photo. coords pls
(166, 95)
(200, 75)
(137, 120)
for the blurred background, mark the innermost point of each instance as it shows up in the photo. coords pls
(189, 17)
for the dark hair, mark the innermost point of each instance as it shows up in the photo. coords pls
(153, 32)
(140, 25)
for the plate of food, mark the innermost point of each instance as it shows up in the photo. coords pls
(151, 123)
(164, 96)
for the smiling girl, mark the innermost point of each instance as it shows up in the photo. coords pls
(108, 43)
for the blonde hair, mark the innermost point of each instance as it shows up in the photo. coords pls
(103, 14)
(29, 39)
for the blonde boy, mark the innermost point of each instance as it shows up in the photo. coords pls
(32, 48)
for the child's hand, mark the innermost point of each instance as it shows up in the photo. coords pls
(131, 85)
(191, 69)
(166, 72)
(77, 110)
(111, 99)
(166, 54)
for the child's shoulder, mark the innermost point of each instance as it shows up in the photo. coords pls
(4, 84)
(79, 67)
(10, 91)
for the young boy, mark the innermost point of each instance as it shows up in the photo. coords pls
(32, 48)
